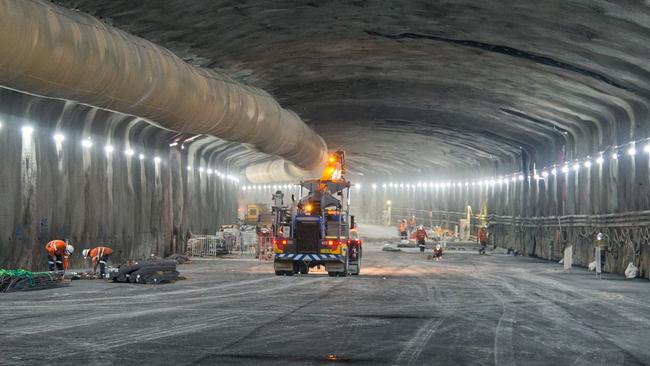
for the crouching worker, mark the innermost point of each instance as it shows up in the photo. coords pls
(58, 252)
(99, 256)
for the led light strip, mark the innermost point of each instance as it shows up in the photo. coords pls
(87, 143)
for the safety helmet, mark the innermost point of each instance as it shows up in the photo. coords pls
(85, 252)
(69, 249)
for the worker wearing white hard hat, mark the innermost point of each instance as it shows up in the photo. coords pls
(58, 252)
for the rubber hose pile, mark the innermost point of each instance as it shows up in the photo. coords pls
(23, 280)
(149, 272)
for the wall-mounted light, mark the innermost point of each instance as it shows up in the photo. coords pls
(27, 131)
(58, 137)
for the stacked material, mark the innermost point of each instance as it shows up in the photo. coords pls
(149, 272)
(179, 258)
(23, 280)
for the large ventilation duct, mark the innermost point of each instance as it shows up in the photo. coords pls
(278, 171)
(54, 52)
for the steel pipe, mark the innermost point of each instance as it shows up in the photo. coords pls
(54, 52)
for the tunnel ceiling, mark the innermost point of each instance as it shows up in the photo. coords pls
(421, 86)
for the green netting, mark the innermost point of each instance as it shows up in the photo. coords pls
(23, 273)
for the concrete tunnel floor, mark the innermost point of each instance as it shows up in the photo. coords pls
(467, 309)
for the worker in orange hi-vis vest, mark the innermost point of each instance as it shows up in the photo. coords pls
(58, 252)
(98, 255)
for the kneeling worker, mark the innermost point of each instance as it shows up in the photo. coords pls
(98, 255)
(58, 252)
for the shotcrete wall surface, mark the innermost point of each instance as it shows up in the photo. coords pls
(54, 190)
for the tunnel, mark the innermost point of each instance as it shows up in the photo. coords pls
(474, 175)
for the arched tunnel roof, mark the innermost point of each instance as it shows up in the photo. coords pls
(420, 86)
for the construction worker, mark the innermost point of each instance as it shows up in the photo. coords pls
(58, 252)
(482, 239)
(421, 236)
(98, 255)
(412, 224)
(403, 229)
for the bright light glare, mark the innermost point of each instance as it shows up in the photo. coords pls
(544, 174)
(374, 186)
(576, 167)
(565, 169)
(109, 149)
(27, 131)
(129, 152)
(141, 157)
(600, 160)
(156, 160)
(58, 137)
(87, 143)
(614, 156)
(189, 168)
(554, 171)
(631, 151)
(647, 148)
(588, 164)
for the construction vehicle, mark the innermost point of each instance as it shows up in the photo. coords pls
(256, 212)
(317, 230)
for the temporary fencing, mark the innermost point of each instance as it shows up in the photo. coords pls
(207, 246)
(265, 248)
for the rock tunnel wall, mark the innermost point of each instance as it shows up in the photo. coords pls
(61, 190)
(540, 217)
